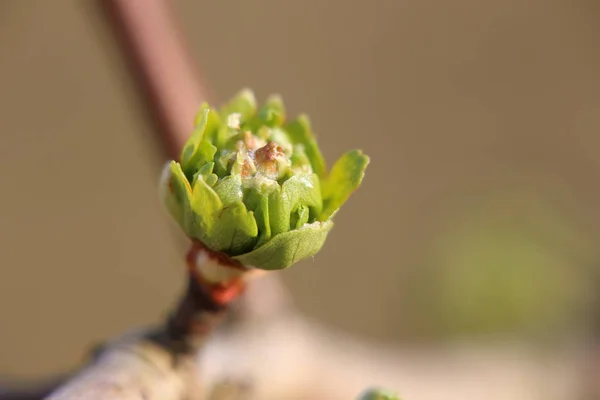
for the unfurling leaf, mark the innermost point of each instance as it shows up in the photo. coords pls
(255, 187)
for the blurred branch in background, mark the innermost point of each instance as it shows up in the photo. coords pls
(152, 43)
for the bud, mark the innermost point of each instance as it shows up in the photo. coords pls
(378, 394)
(271, 161)
(254, 186)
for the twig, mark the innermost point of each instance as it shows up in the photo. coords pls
(160, 364)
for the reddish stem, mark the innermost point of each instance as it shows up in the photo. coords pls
(222, 293)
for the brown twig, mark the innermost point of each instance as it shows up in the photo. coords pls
(160, 364)
(202, 306)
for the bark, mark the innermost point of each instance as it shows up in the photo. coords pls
(160, 363)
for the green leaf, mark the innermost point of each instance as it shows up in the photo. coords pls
(244, 103)
(180, 193)
(223, 136)
(205, 154)
(168, 197)
(257, 199)
(261, 214)
(300, 132)
(213, 121)
(272, 113)
(300, 161)
(302, 190)
(265, 198)
(287, 248)
(344, 178)
(190, 148)
(206, 172)
(302, 217)
(229, 189)
(235, 230)
(206, 207)
(198, 151)
(264, 133)
(279, 219)
(222, 162)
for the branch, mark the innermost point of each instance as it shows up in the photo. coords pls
(160, 363)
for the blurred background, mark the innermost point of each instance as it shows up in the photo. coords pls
(471, 244)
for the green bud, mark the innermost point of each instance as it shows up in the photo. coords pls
(255, 187)
(378, 394)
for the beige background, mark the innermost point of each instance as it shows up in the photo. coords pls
(455, 102)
